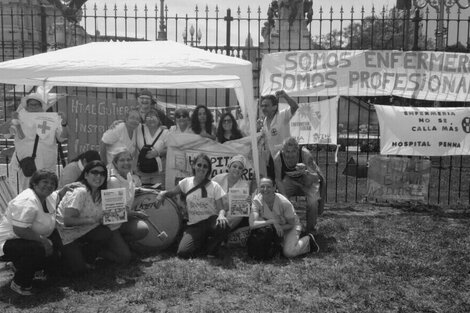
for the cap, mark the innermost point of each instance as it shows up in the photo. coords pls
(237, 158)
(145, 92)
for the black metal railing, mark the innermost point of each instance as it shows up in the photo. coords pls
(31, 28)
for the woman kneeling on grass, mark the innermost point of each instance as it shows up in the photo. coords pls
(79, 218)
(27, 236)
(273, 209)
(135, 228)
(207, 226)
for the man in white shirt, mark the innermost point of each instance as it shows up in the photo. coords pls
(276, 124)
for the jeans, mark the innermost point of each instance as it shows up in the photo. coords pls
(308, 186)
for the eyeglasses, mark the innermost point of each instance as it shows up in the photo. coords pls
(96, 173)
(181, 115)
(227, 121)
(205, 166)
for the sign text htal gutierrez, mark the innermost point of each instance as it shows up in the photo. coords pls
(428, 75)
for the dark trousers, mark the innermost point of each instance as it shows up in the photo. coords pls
(29, 256)
(74, 254)
(202, 237)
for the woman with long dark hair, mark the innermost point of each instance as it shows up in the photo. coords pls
(207, 226)
(228, 128)
(79, 218)
(202, 122)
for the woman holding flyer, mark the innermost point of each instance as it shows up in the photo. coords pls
(79, 218)
(232, 180)
(135, 228)
(207, 226)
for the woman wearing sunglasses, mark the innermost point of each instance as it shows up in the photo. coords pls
(228, 128)
(182, 122)
(207, 225)
(79, 218)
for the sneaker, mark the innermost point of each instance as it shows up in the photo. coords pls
(314, 247)
(24, 291)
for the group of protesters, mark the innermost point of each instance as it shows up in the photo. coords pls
(58, 223)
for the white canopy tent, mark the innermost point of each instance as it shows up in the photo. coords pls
(145, 64)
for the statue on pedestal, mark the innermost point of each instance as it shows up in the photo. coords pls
(286, 24)
(71, 9)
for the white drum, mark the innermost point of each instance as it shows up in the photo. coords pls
(165, 221)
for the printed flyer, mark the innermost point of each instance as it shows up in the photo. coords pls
(239, 204)
(114, 206)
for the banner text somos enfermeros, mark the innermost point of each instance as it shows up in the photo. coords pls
(425, 75)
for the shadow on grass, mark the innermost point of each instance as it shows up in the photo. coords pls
(46, 292)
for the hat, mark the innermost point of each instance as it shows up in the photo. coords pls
(237, 158)
(145, 92)
(32, 96)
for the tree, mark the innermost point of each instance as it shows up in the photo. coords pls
(392, 30)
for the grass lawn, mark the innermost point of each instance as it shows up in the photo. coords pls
(373, 259)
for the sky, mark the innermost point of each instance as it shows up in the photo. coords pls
(183, 8)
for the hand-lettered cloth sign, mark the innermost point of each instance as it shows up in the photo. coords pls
(424, 131)
(90, 117)
(183, 148)
(42, 124)
(316, 122)
(398, 178)
(429, 75)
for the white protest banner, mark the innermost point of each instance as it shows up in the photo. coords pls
(398, 178)
(424, 131)
(429, 75)
(183, 148)
(43, 124)
(316, 122)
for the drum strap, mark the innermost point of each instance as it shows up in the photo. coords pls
(201, 185)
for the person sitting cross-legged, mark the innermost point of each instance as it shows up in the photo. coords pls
(297, 174)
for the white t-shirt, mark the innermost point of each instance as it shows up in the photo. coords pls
(281, 211)
(161, 142)
(222, 180)
(200, 208)
(79, 199)
(278, 130)
(26, 211)
(118, 138)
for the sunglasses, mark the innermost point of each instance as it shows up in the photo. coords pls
(96, 173)
(202, 165)
(181, 115)
(227, 121)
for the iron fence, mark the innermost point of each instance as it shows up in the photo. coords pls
(29, 27)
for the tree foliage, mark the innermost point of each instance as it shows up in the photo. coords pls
(391, 30)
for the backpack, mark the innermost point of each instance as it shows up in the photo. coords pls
(263, 243)
(144, 164)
